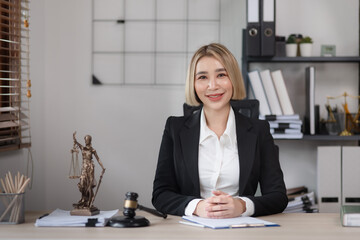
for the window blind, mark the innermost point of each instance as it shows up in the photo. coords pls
(15, 80)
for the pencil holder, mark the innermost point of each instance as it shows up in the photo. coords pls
(12, 208)
(336, 125)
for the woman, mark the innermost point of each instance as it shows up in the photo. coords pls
(210, 163)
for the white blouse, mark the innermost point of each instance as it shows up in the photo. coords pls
(219, 164)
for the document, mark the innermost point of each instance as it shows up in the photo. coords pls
(301, 203)
(62, 218)
(238, 222)
(287, 135)
(281, 117)
(284, 125)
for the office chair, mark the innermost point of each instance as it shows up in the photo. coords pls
(247, 107)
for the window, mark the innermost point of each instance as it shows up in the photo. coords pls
(14, 75)
(150, 42)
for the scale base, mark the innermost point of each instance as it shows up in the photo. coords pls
(124, 222)
(85, 211)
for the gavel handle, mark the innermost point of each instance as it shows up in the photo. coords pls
(152, 211)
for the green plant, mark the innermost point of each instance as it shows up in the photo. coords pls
(291, 39)
(306, 39)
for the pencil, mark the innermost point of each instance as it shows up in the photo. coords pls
(17, 187)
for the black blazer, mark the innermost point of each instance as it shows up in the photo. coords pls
(176, 180)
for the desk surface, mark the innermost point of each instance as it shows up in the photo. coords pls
(293, 226)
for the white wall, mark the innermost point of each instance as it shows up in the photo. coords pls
(327, 22)
(126, 123)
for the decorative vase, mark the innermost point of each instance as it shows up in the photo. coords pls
(306, 49)
(291, 49)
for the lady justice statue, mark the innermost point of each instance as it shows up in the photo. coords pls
(87, 181)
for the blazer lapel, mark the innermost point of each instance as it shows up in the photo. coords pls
(189, 137)
(246, 149)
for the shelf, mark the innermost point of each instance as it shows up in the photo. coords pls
(327, 138)
(354, 59)
(332, 137)
(246, 60)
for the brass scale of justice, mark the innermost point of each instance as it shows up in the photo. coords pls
(351, 123)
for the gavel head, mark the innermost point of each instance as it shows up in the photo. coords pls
(130, 204)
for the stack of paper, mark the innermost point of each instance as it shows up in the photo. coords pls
(239, 222)
(285, 126)
(62, 218)
(302, 203)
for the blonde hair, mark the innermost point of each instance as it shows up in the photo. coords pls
(223, 55)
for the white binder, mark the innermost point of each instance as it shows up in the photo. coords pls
(351, 175)
(282, 93)
(259, 92)
(329, 179)
(270, 91)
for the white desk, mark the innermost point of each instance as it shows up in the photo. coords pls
(293, 226)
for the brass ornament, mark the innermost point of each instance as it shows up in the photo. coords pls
(351, 122)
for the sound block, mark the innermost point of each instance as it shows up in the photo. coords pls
(124, 222)
(85, 211)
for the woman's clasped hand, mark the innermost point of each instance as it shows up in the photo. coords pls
(221, 205)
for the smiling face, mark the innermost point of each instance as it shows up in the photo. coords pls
(212, 84)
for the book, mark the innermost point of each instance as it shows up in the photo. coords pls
(309, 118)
(270, 92)
(238, 222)
(280, 117)
(259, 93)
(62, 218)
(284, 125)
(350, 215)
(285, 130)
(282, 92)
(287, 135)
(299, 122)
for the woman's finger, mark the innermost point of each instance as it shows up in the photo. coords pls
(222, 199)
(218, 193)
(218, 207)
(219, 214)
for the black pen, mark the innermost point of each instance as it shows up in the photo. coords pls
(46, 214)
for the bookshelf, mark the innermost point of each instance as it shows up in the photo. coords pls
(302, 59)
(246, 61)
